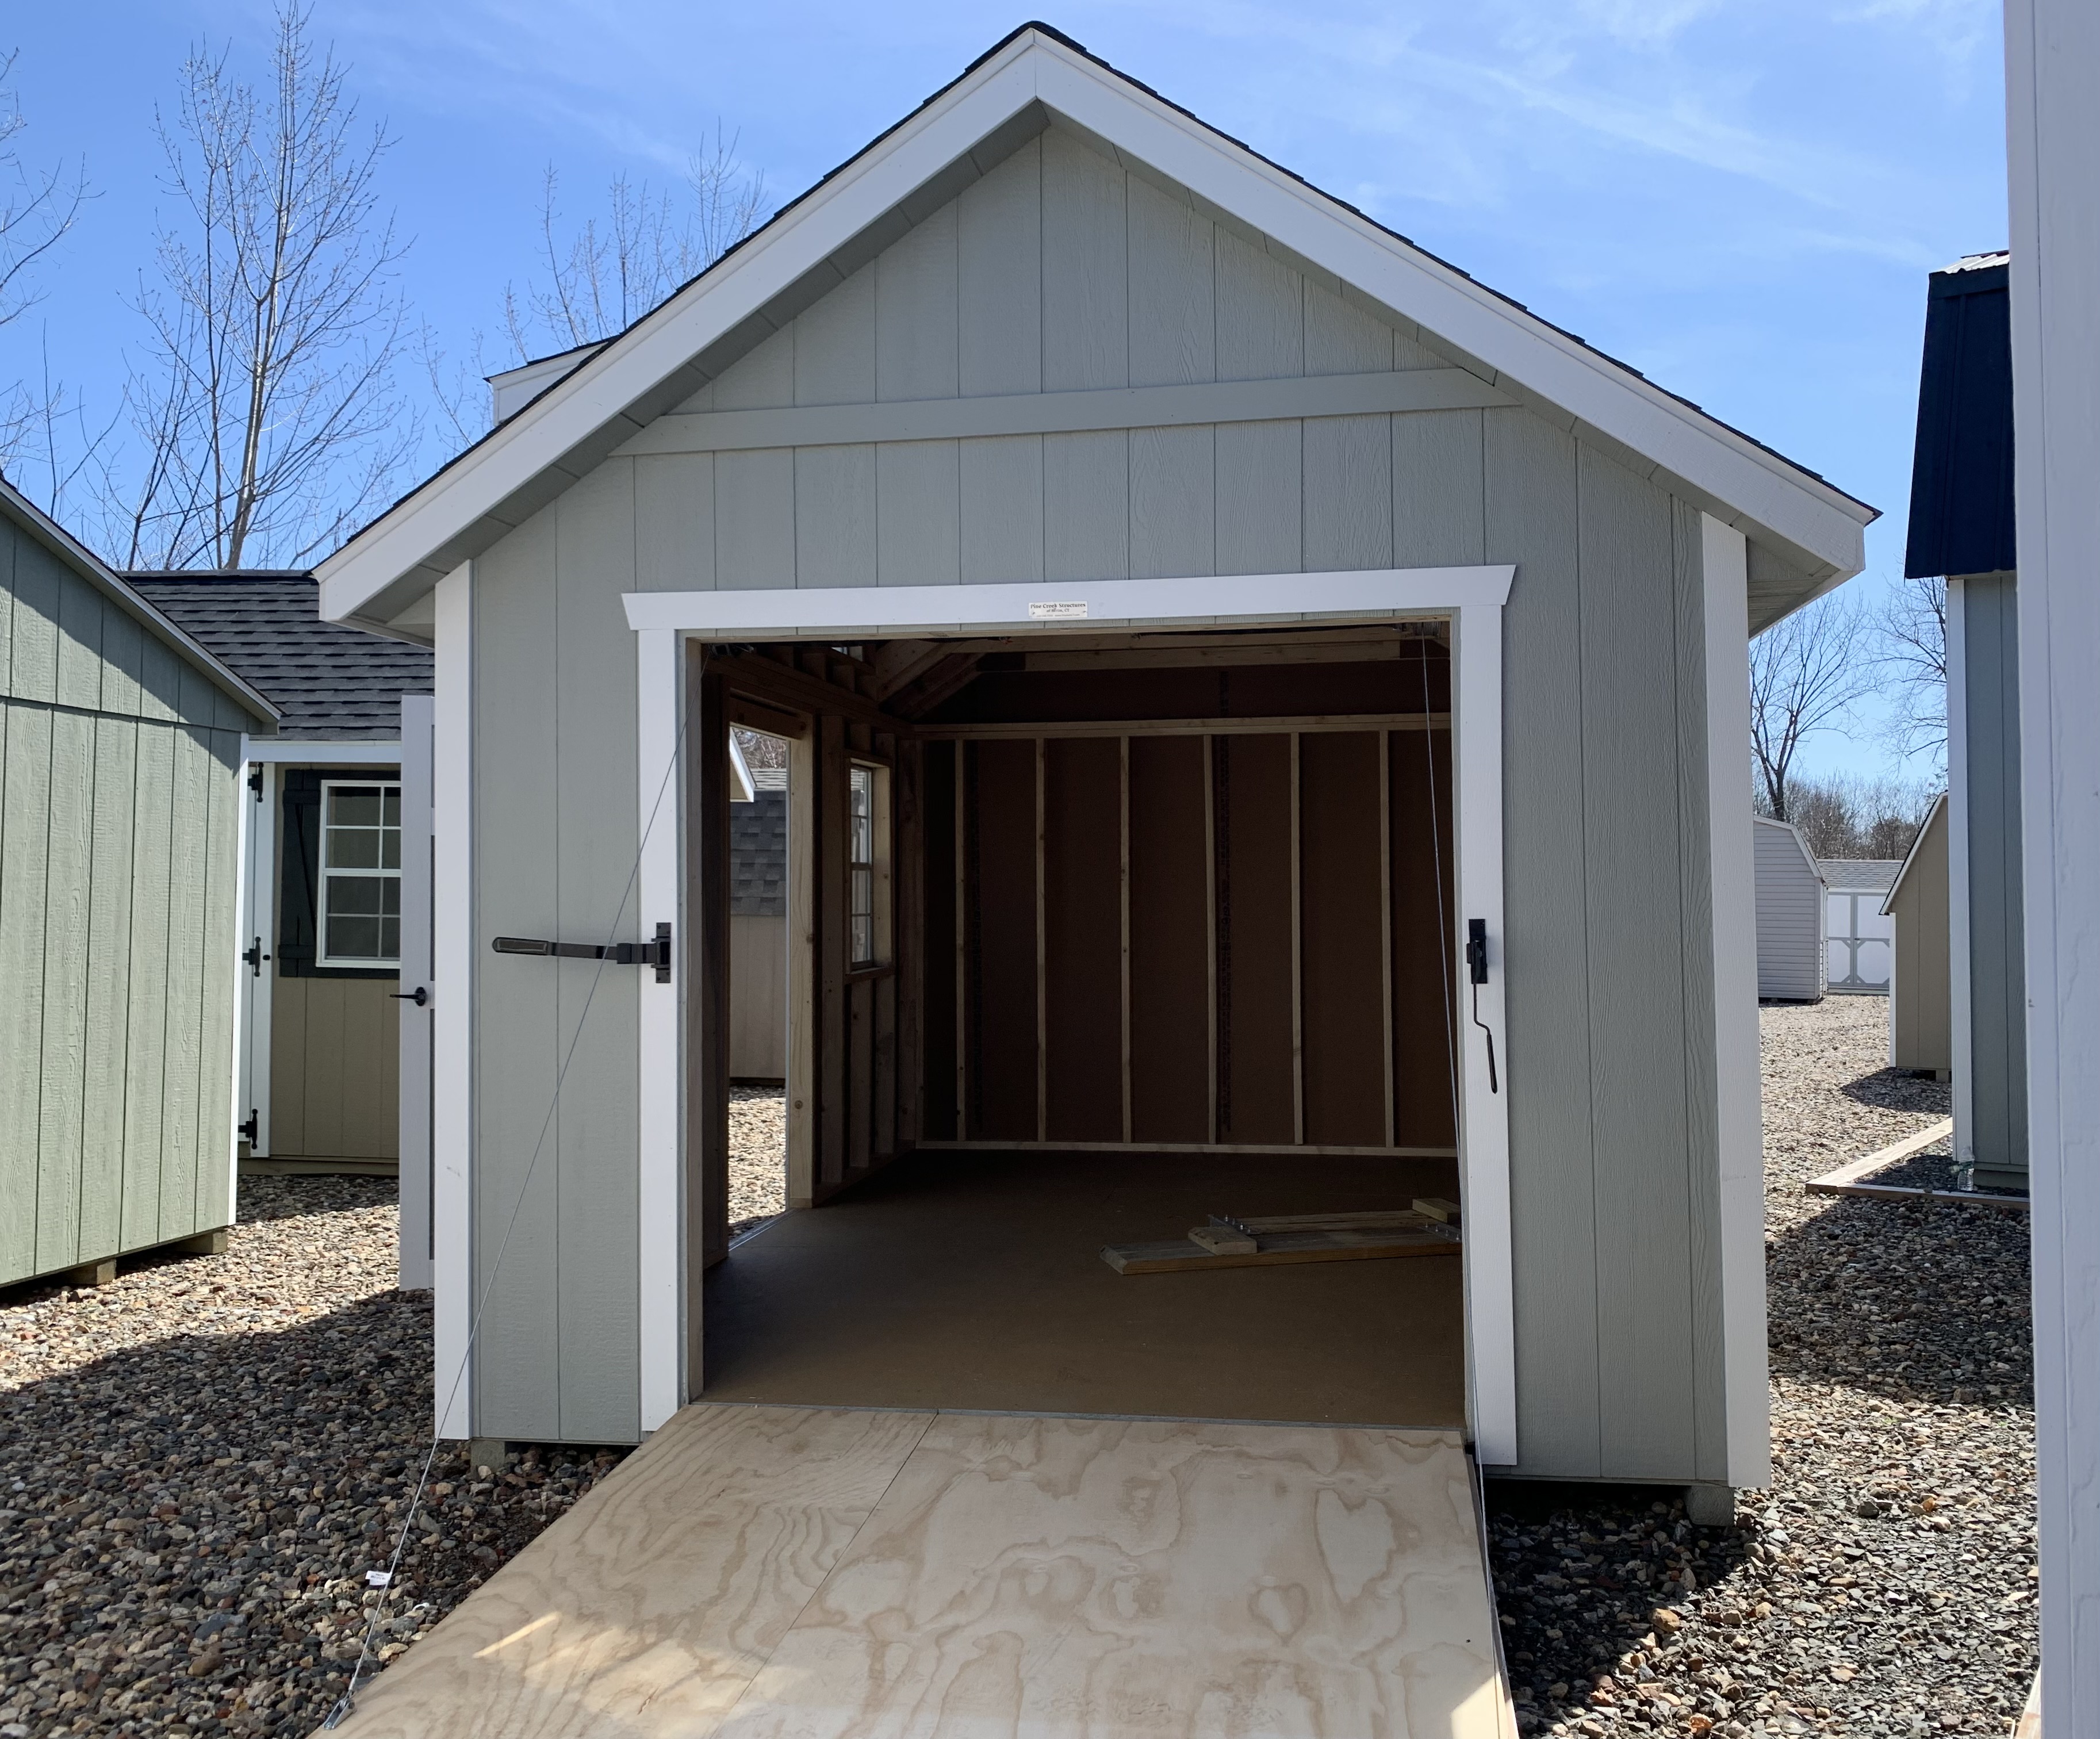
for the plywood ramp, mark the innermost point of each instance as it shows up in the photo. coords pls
(762, 1572)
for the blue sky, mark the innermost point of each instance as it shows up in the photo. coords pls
(1740, 197)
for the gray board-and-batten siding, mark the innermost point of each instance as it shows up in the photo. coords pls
(118, 828)
(1059, 271)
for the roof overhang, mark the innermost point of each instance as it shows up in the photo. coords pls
(1916, 844)
(105, 580)
(1033, 79)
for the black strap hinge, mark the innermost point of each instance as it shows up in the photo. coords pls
(657, 953)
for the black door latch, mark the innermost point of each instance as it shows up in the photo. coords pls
(657, 953)
(253, 958)
(1476, 970)
(421, 995)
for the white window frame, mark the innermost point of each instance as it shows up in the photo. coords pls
(323, 871)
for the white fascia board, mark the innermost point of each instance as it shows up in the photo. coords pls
(1592, 389)
(1084, 606)
(342, 752)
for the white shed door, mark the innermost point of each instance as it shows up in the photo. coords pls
(1862, 943)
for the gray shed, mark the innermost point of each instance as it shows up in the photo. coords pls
(1921, 986)
(1793, 962)
(1267, 719)
(120, 824)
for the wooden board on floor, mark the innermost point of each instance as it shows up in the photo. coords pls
(1336, 1244)
(964, 1574)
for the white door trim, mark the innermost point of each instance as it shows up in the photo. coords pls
(1471, 598)
(660, 1243)
(258, 930)
(452, 1005)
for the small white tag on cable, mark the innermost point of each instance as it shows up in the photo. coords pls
(1072, 610)
(378, 1579)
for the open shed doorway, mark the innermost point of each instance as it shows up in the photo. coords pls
(758, 986)
(1100, 941)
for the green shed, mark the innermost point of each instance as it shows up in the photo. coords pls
(121, 742)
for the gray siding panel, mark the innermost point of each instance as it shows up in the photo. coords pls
(1348, 492)
(109, 978)
(1791, 963)
(1259, 498)
(1085, 295)
(1086, 505)
(834, 521)
(1636, 968)
(596, 1130)
(67, 868)
(1173, 506)
(1173, 318)
(755, 518)
(674, 522)
(151, 1008)
(519, 1044)
(1997, 992)
(998, 277)
(1436, 494)
(916, 347)
(1533, 520)
(918, 519)
(1260, 314)
(1001, 508)
(24, 835)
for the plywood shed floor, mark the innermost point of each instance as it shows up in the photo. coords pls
(975, 1281)
(812, 1574)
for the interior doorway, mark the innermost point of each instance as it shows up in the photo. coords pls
(758, 947)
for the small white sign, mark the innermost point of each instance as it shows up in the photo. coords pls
(1073, 611)
(377, 1578)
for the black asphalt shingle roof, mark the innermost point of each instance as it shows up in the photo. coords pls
(331, 681)
(758, 849)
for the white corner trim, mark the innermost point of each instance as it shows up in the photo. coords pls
(1960, 985)
(417, 711)
(1476, 711)
(451, 1006)
(1738, 1102)
(244, 894)
(874, 612)
(659, 1266)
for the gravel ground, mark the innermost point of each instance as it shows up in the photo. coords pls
(198, 1464)
(757, 1157)
(1886, 1583)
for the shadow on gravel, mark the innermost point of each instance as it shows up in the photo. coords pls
(1898, 1090)
(220, 1496)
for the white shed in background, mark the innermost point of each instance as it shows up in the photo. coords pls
(1861, 940)
(1790, 915)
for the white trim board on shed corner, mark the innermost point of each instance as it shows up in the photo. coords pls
(1471, 598)
(616, 392)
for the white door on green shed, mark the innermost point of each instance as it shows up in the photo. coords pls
(418, 714)
(258, 929)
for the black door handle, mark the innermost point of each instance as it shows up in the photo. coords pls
(419, 995)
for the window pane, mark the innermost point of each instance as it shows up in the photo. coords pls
(863, 939)
(354, 806)
(358, 896)
(354, 848)
(392, 814)
(353, 938)
(390, 849)
(390, 938)
(863, 814)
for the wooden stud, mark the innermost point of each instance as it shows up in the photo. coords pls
(1042, 945)
(1385, 922)
(1297, 963)
(910, 941)
(802, 1083)
(834, 1068)
(709, 992)
(1123, 889)
(962, 952)
(1211, 924)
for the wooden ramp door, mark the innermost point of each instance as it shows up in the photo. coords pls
(812, 1574)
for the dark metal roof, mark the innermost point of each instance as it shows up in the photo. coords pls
(330, 681)
(758, 849)
(1961, 480)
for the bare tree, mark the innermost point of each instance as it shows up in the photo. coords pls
(1806, 673)
(269, 418)
(600, 278)
(1912, 627)
(1851, 816)
(38, 207)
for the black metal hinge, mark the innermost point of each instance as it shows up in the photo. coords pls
(255, 782)
(253, 958)
(247, 1131)
(657, 953)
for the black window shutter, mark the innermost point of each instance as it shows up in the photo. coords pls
(298, 903)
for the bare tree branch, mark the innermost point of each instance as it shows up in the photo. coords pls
(269, 417)
(600, 278)
(1912, 627)
(37, 208)
(1806, 673)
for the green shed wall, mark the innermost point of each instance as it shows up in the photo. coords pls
(119, 817)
